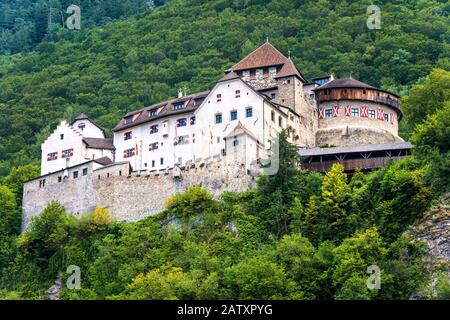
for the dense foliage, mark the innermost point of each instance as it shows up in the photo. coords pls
(127, 64)
(298, 234)
(25, 23)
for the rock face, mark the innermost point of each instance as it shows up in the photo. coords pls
(435, 231)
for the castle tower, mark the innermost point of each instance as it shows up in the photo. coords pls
(274, 75)
(351, 112)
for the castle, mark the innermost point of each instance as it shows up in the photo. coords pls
(216, 139)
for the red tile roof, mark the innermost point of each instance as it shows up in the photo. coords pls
(264, 56)
(289, 69)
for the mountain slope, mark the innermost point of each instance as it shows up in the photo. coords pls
(122, 66)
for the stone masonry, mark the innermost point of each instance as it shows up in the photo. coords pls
(128, 195)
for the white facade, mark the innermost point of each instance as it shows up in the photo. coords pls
(166, 154)
(227, 104)
(66, 147)
(88, 129)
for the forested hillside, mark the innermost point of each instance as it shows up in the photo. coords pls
(298, 234)
(124, 65)
(25, 23)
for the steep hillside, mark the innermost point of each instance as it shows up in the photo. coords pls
(122, 66)
(25, 23)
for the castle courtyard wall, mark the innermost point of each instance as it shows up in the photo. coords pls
(130, 196)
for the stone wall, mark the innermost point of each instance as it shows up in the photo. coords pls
(76, 194)
(129, 195)
(348, 130)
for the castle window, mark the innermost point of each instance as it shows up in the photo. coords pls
(218, 139)
(233, 115)
(128, 153)
(372, 113)
(273, 71)
(128, 120)
(153, 129)
(42, 183)
(249, 112)
(219, 97)
(181, 122)
(386, 117)
(161, 161)
(235, 142)
(273, 96)
(238, 93)
(328, 113)
(120, 172)
(81, 126)
(59, 179)
(219, 118)
(259, 73)
(127, 135)
(67, 153)
(61, 136)
(178, 106)
(85, 172)
(152, 113)
(180, 140)
(75, 174)
(153, 146)
(192, 122)
(355, 112)
(272, 115)
(52, 156)
(280, 121)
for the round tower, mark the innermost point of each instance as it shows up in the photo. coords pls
(351, 112)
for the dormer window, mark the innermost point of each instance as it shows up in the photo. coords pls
(152, 113)
(128, 120)
(81, 126)
(273, 71)
(178, 106)
(246, 75)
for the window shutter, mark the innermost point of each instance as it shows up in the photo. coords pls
(335, 111)
(347, 111)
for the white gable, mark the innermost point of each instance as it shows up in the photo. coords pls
(88, 129)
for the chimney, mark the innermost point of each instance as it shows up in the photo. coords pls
(180, 93)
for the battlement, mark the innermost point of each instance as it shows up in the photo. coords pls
(129, 195)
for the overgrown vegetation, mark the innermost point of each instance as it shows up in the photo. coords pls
(299, 234)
